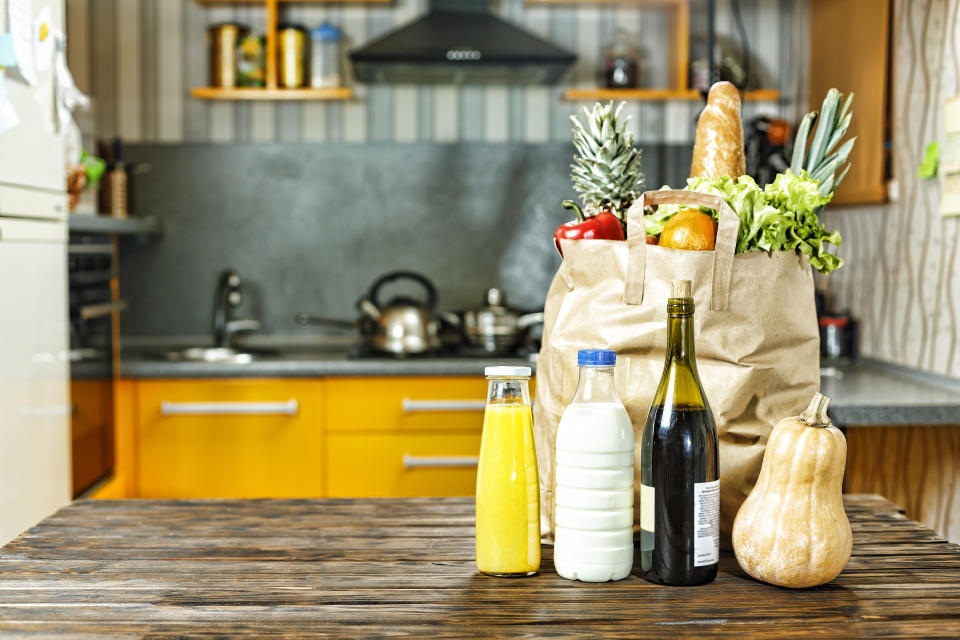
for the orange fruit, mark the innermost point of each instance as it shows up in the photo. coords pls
(691, 230)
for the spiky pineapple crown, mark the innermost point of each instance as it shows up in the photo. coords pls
(606, 170)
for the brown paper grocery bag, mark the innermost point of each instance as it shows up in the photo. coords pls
(756, 337)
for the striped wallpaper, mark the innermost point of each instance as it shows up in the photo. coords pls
(139, 59)
(902, 276)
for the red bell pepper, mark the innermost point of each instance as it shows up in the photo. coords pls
(603, 226)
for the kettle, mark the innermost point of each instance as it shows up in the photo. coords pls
(402, 326)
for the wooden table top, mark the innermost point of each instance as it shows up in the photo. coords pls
(310, 568)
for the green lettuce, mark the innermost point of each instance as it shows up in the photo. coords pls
(782, 216)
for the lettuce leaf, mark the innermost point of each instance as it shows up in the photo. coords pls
(782, 216)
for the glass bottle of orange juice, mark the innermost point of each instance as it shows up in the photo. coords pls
(508, 488)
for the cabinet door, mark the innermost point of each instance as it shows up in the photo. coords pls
(91, 431)
(34, 395)
(230, 438)
(849, 50)
(419, 464)
(416, 436)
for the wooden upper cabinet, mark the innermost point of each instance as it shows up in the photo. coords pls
(849, 50)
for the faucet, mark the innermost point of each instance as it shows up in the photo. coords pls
(228, 296)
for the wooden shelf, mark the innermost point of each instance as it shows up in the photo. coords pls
(107, 224)
(256, 93)
(654, 3)
(223, 2)
(575, 95)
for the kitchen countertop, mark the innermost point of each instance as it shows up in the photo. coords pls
(315, 364)
(405, 567)
(867, 393)
(872, 393)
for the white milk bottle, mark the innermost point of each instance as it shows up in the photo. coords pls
(593, 536)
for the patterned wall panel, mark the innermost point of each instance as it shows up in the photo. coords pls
(139, 59)
(902, 277)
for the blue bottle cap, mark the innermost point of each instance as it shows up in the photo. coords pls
(597, 357)
(326, 32)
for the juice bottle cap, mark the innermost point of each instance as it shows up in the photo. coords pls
(597, 357)
(507, 372)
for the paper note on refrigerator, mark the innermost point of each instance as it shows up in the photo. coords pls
(43, 40)
(20, 14)
(8, 115)
(950, 160)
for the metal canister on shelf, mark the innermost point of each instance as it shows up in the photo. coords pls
(222, 42)
(325, 56)
(292, 51)
(251, 61)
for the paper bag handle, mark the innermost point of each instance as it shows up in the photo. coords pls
(725, 246)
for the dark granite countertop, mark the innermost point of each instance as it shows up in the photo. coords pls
(873, 393)
(315, 364)
(866, 393)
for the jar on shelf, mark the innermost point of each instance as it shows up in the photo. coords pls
(325, 57)
(251, 61)
(621, 69)
(292, 51)
(222, 40)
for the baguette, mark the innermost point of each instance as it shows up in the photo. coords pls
(718, 149)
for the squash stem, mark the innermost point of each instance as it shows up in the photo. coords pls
(815, 415)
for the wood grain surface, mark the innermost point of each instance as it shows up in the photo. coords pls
(405, 567)
(917, 467)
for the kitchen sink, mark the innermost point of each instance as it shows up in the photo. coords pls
(220, 355)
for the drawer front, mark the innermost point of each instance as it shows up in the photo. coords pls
(412, 465)
(406, 404)
(230, 438)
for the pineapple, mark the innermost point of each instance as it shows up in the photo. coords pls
(606, 170)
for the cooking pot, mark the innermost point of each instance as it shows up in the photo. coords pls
(402, 326)
(496, 328)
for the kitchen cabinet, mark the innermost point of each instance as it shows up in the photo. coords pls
(404, 436)
(91, 430)
(229, 438)
(850, 50)
(253, 437)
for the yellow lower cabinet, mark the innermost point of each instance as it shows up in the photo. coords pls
(406, 404)
(230, 438)
(410, 464)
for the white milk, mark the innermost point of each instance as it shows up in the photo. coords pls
(594, 491)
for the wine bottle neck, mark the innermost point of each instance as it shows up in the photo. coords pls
(596, 384)
(680, 332)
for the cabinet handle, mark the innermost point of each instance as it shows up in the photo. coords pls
(413, 462)
(91, 311)
(51, 411)
(413, 406)
(288, 408)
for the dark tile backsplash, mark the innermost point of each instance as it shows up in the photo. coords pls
(309, 227)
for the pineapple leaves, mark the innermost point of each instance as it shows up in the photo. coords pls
(607, 170)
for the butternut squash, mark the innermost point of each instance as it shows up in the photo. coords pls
(792, 530)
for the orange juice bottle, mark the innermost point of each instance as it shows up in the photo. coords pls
(508, 488)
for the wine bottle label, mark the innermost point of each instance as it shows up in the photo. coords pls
(706, 520)
(647, 494)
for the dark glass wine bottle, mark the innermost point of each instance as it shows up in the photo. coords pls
(679, 474)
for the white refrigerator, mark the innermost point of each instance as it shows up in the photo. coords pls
(34, 368)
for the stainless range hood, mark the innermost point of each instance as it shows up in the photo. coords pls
(460, 41)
